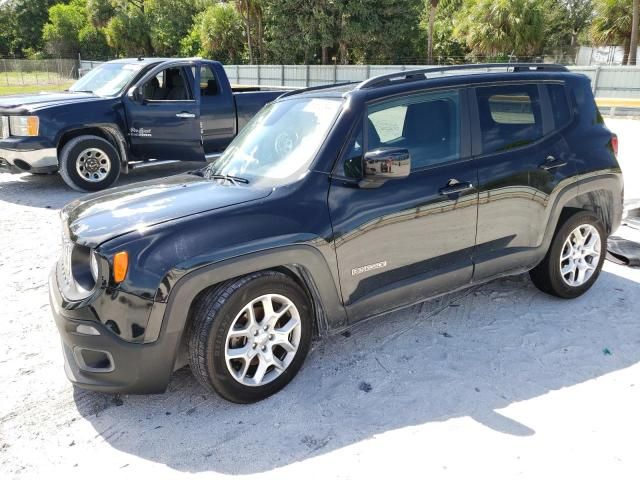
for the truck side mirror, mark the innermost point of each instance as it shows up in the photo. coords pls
(385, 164)
(135, 94)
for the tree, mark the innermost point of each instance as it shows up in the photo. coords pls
(612, 24)
(170, 22)
(93, 44)
(431, 6)
(634, 32)
(30, 18)
(61, 31)
(8, 37)
(100, 12)
(128, 31)
(217, 33)
(447, 48)
(503, 27)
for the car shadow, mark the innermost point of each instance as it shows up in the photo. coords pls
(50, 191)
(470, 354)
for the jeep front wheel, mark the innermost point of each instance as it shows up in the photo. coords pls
(249, 337)
(89, 163)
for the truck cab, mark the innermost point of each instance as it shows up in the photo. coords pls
(126, 114)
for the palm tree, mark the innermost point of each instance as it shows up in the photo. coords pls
(499, 27)
(612, 24)
(634, 33)
(431, 5)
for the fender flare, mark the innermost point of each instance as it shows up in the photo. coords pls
(303, 261)
(111, 130)
(580, 196)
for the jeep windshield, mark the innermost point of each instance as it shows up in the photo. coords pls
(279, 143)
(107, 79)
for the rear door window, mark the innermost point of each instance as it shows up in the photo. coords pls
(559, 105)
(510, 117)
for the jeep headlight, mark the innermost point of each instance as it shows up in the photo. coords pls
(84, 266)
(93, 265)
(24, 125)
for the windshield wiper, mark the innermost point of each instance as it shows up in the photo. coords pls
(228, 178)
(81, 91)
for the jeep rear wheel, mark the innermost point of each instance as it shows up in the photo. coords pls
(249, 337)
(89, 163)
(575, 257)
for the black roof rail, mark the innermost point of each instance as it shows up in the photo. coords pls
(421, 73)
(318, 87)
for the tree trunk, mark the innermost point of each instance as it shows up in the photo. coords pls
(246, 17)
(633, 47)
(432, 18)
(627, 51)
(262, 58)
(325, 55)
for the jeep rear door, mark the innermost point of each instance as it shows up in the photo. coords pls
(163, 117)
(523, 162)
(409, 238)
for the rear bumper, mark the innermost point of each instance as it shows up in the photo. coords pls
(42, 160)
(96, 359)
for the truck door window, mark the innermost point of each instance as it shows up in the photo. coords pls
(427, 125)
(208, 82)
(168, 85)
(510, 117)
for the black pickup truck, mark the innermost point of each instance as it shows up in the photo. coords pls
(126, 114)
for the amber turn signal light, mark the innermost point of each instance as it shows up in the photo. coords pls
(120, 266)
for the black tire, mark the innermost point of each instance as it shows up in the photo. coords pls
(70, 155)
(547, 275)
(212, 317)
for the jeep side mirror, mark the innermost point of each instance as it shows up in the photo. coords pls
(385, 164)
(135, 94)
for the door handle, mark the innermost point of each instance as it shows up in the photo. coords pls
(185, 115)
(552, 163)
(455, 186)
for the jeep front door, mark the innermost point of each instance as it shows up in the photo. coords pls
(414, 237)
(163, 116)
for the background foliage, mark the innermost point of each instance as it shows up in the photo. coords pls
(312, 31)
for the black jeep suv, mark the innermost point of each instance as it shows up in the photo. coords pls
(331, 206)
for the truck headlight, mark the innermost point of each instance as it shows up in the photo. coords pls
(24, 126)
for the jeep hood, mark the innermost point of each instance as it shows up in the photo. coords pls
(99, 217)
(17, 104)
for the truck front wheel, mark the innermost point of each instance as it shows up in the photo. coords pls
(89, 163)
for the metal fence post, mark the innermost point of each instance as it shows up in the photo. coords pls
(259, 83)
(595, 80)
(6, 71)
(335, 73)
(306, 79)
(368, 75)
(282, 75)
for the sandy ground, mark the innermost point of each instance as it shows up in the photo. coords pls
(499, 380)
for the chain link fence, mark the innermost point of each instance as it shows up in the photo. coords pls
(22, 72)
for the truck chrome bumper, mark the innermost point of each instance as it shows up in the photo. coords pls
(39, 161)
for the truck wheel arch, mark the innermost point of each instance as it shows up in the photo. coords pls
(109, 132)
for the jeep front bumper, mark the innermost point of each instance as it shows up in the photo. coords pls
(97, 359)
